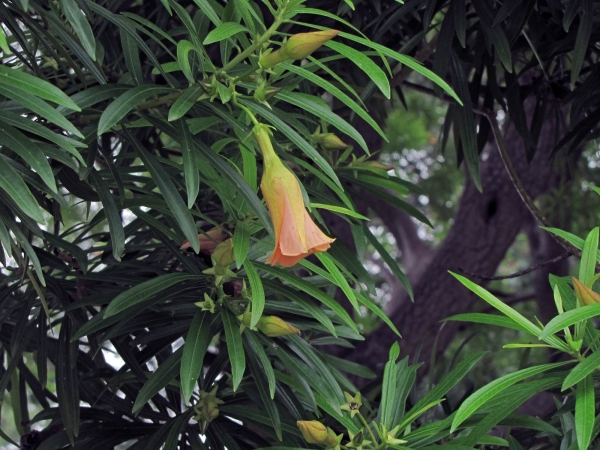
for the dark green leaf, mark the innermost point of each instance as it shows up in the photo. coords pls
(235, 348)
(170, 194)
(224, 31)
(142, 291)
(11, 78)
(160, 378)
(80, 25)
(196, 344)
(125, 102)
(115, 225)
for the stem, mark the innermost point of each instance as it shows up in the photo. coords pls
(366, 425)
(264, 38)
(245, 109)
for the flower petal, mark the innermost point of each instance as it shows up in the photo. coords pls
(316, 240)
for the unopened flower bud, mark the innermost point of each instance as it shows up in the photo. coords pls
(373, 166)
(273, 326)
(299, 46)
(264, 92)
(313, 432)
(584, 294)
(223, 255)
(330, 141)
(246, 318)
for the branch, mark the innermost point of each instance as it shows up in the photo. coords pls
(512, 173)
(520, 273)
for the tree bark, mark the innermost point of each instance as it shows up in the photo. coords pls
(486, 225)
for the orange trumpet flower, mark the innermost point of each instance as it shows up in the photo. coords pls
(296, 235)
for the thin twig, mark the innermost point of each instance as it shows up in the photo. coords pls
(519, 273)
(512, 173)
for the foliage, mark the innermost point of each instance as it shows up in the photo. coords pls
(143, 113)
(531, 59)
(572, 333)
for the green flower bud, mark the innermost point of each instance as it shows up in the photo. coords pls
(273, 326)
(264, 92)
(313, 432)
(223, 255)
(299, 46)
(330, 141)
(584, 294)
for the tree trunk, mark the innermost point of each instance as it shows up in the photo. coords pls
(486, 225)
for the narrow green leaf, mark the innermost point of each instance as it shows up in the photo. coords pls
(488, 319)
(238, 181)
(339, 209)
(190, 162)
(575, 240)
(67, 383)
(587, 267)
(315, 106)
(207, 9)
(12, 78)
(24, 242)
(256, 347)
(390, 261)
(170, 194)
(36, 128)
(406, 60)
(196, 344)
(378, 312)
(313, 78)
(224, 31)
(490, 390)
(528, 326)
(38, 106)
(585, 410)
(142, 291)
(307, 305)
(584, 31)
(465, 121)
(569, 318)
(29, 151)
(184, 47)
(263, 390)
(79, 254)
(6, 49)
(311, 356)
(241, 243)
(80, 25)
(249, 167)
(457, 373)
(131, 53)
(115, 225)
(235, 347)
(388, 387)
(93, 95)
(365, 64)
(582, 370)
(258, 293)
(338, 279)
(14, 186)
(160, 378)
(125, 102)
(312, 291)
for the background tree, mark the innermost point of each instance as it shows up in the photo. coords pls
(528, 65)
